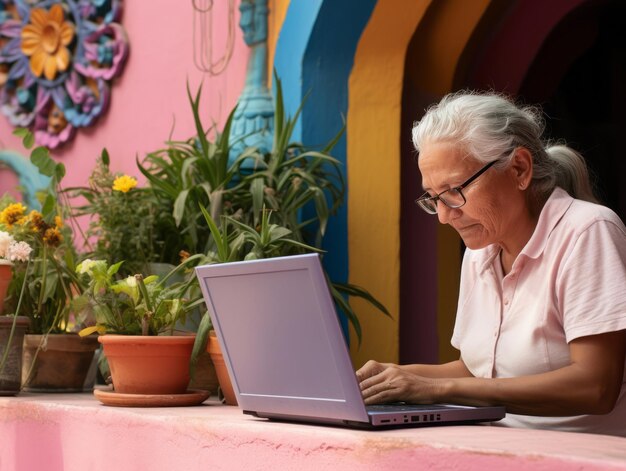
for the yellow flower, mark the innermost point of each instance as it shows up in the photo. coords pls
(58, 222)
(124, 183)
(45, 40)
(52, 236)
(12, 214)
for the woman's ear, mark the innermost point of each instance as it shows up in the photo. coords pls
(522, 167)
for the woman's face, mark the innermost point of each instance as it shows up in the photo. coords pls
(494, 201)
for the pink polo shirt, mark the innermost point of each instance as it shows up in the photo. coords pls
(569, 281)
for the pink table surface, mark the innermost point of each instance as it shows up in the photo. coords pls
(75, 432)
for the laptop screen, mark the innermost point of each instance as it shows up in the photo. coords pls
(281, 338)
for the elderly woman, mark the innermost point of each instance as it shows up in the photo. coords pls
(541, 319)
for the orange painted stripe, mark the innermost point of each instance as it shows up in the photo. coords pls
(277, 14)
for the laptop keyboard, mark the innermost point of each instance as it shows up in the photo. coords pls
(399, 407)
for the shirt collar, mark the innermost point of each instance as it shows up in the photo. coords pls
(551, 213)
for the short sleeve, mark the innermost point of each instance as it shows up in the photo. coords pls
(592, 281)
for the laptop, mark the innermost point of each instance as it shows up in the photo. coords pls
(286, 353)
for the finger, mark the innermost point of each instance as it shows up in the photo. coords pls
(369, 369)
(376, 386)
(370, 382)
(378, 394)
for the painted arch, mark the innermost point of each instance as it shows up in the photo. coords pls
(390, 64)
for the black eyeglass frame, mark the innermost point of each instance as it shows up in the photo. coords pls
(426, 197)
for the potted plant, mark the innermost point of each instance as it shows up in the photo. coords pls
(136, 319)
(12, 327)
(44, 287)
(209, 208)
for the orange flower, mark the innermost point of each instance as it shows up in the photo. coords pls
(37, 222)
(45, 40)
(52, 237)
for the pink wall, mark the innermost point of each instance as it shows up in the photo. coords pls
(151, 92)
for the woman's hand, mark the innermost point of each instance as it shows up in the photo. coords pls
(387, 382)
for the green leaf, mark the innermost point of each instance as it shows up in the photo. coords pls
(220, 241)
(59, 172)
(21, 132)
(345, 307)
(359, 292)
(179, 206)
(28, 139)
(40, 157)
(48, 209)
(200, 343)
(256, 190)
(113, 269)
(195, 105)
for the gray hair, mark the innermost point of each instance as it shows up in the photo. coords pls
(489, 126)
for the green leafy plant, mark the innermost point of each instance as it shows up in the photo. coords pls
(198, 173)
(129, 306)
(111, 201)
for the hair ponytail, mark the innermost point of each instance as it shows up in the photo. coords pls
(571, 172)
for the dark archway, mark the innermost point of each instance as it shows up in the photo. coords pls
(568, 56)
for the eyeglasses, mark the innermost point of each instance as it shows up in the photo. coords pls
(452, 198)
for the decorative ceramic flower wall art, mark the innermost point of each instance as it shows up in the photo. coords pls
(57, 60)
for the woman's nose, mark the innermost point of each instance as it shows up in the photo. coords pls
(445, 213)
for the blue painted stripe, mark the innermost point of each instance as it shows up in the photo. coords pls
(314, 54)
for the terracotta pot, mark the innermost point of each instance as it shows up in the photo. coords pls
(148, 364)
(11, 372)
(6, 272)
(213, 347)
(57, 362)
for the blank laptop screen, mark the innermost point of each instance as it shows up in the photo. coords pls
(248, 304)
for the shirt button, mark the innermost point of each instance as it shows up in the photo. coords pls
(506, 302)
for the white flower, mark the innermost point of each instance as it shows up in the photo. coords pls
(86, 266)
(6, 240)
(19, 251)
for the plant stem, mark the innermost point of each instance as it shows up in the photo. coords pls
(143, 291)
(44, 270)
